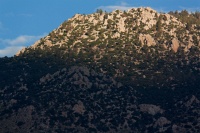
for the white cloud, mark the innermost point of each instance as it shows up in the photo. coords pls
(121, 6)
(10, 51)
(21, 40)
(10, 47)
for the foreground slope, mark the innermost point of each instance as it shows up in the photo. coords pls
(79, 99)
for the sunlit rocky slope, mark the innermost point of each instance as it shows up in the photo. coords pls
(139, 43)
(123, 71)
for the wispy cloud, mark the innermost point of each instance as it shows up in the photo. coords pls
(11, 46)
(121, 6)
(10, 51)
(21, 40)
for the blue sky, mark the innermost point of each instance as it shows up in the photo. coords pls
(22, 22)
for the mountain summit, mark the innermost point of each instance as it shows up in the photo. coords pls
(124, 71)
(136, 25)
(122, 43)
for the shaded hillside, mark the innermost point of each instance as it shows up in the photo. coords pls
(79, 99)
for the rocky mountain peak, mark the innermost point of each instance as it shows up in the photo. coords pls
(145, 24)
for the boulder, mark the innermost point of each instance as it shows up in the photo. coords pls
(147, 39)
(175, 44)
(150, 109)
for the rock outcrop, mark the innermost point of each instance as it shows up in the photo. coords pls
(175, 44)
(150, 109)
(147, 40)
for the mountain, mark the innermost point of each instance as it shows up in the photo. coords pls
(132, 41)
(123, 71)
